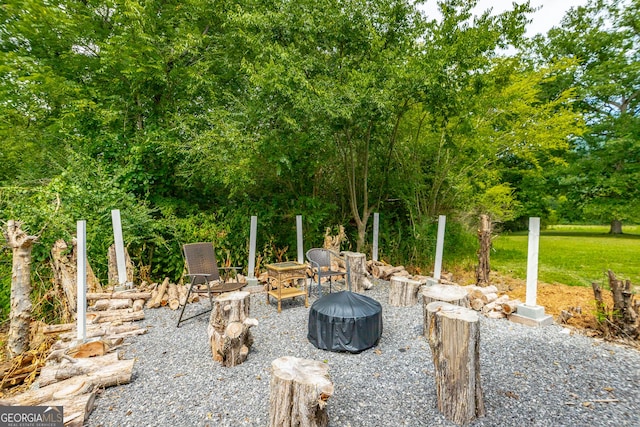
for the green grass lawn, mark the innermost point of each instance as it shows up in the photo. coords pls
(572, 254)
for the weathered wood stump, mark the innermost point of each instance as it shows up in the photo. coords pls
(229, 328)
(451, 294)
(299, 392)
(454, 338)
(403, 292)
(357, 263)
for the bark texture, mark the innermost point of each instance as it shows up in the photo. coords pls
(298, 393)
(484, 251)
(20, 315)
(454, 338)
(229, 328)
(358, 271)
(403, 292)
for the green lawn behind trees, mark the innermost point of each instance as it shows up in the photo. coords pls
(572, 254)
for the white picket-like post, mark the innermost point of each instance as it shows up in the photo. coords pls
(299, 239)
(532, 261)
(81, 279)
(376, 225)
(119, 243)
(437, 269)
(252, 247)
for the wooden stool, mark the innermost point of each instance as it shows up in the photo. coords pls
(454, 338)
(403, 292)
(299, 392)
(228, 330)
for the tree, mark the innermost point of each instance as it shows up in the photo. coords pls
(604, 38)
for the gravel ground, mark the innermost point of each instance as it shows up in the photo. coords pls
(530, 376)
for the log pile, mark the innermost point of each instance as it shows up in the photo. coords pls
(71, 372)
(485, 299)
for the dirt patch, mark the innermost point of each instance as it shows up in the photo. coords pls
(556, 297)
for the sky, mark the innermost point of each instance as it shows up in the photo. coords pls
(549, 15)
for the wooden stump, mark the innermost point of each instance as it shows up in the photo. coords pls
(20, 314)
(403, 292)
(299, 392)
(357, 263)
(454, 338)
(451, 294)
(229, 325)
(484, 252)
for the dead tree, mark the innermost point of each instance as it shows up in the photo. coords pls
(484, 251)
(624, 319)
(20, 315)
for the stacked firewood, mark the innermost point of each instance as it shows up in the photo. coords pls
(71, 372)
(383, 271)
(486, 300)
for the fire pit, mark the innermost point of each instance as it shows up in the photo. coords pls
(345, 321)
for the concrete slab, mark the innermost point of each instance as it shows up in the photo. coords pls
(531, 315)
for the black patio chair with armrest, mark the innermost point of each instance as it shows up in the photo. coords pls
(202, 268)
(321, 265)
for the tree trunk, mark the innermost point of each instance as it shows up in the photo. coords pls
(454, 338)
(616, 227)
(403, 292)
(624, 315)
(229, 324)
(20, 315)
(358, 271)
(484, 251)
(298, 393)
(451, 294)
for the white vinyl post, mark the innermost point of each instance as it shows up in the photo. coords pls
(81, 279)
(119, 243)
(252, 247)
(532, 261)
(376, 225)
(299, 233)
(437, 269)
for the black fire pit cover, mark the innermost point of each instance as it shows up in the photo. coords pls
(345, 321)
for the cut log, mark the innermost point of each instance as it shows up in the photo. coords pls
(298, 393)
(451, 294)
(403, 292)
(384, 272)
(454, 339)
(358, 271)
(477, 304)
(172, 292)
(55, 372)
(157, 299)
(484, 250)
(113, 374)
(76, 409)
(133, 295)
(495, 305)
(106, 330)
(113, 316)
(509, 307)
(20, 314)
(182, 295)
(138, 305)
(229, 328)
(111, 304)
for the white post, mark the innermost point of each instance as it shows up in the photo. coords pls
(437, 269)
(81, 279)
(119, 243)
(532, 261)
(376, 225)
(252, 247)
(299, 234)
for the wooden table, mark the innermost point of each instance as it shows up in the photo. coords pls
(279, 274)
